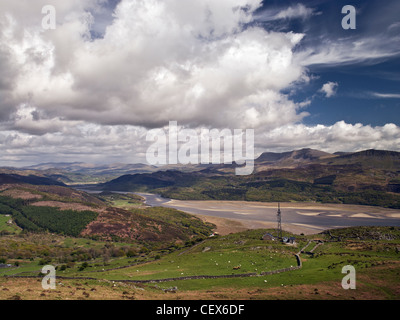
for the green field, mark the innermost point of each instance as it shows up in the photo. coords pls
(124, 201)
(377, 262)
(124, 268)
(245, 252)
(5, 226)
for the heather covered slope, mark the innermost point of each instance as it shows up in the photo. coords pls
(75, 213)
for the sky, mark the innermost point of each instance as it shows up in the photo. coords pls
(90, 89)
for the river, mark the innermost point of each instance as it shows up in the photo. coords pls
(308, 215)
(304, 217)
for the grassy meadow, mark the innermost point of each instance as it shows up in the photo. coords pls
(377, 263)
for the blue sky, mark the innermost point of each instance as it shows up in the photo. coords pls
(368, 89)
(90, 89)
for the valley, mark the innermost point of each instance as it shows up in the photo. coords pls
(202, 233)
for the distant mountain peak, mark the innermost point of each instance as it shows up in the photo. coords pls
(292, 157)
(308, 153)
(373, 153)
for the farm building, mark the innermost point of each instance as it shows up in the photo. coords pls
(289, 240)
(268, 236)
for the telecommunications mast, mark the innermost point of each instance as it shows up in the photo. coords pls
(278, 215)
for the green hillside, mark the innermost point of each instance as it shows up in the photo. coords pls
(235, 266)
(35, 218)
(74, 213)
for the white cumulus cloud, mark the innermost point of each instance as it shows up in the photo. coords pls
(203, 63)
(158, 61)
(329, 89)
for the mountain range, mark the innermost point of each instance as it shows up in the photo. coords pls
(267, 160)
(370, 177)
(367, 177)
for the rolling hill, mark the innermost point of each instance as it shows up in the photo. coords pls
(29, 179)
(89, 168)
(378, 159)
(73, 173)
(110, 242)
(370, 177)
(367, 158)
(76, 213)
(290, 159)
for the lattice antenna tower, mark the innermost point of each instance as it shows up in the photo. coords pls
(279, 218)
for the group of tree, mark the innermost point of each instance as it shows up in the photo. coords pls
(36, 218)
